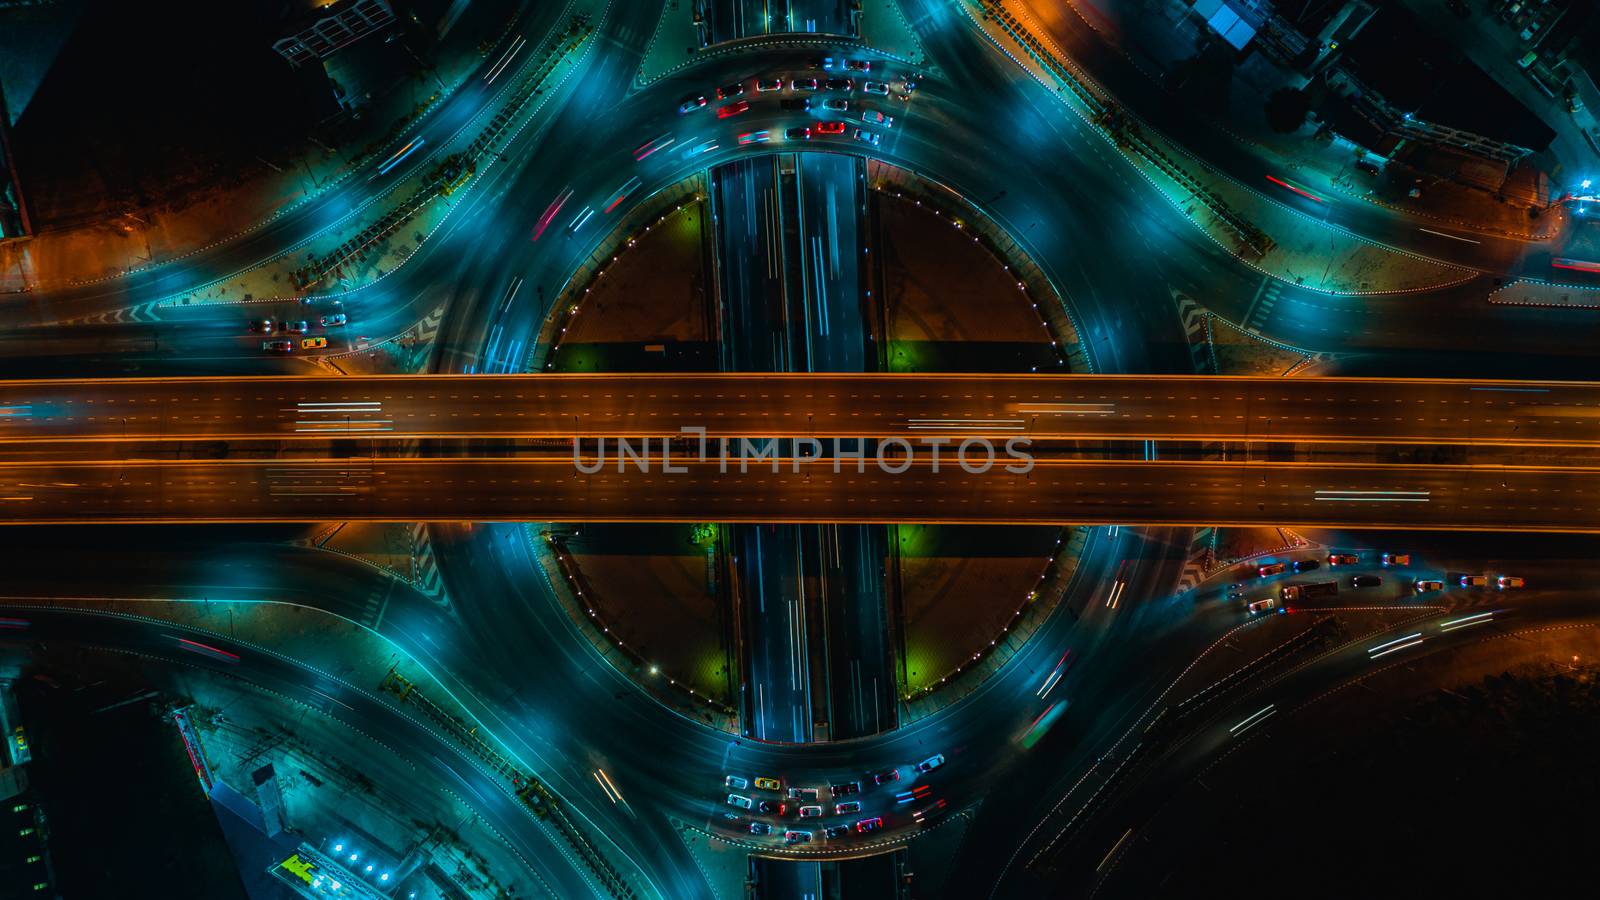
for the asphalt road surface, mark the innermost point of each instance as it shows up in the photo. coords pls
(1040, 407)
(1517, 498)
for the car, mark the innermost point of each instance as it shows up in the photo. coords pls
(807, 812)
(754, 137)
(1261, 606)
(886, 776)
(261, 326)
(333, 320)
(858, 65)
(849, 806)
(1474, 581)
(733, 109)
(1367, 166)
(931, 763)
(690, 104)
(828, 128)
(845, 788)
(840, 84)
(834, 832)
(730, 90)
(872, 824)
(867, 137)
(1509, 581)
(798, 134)
(830, 62)
(796, 103)
(797, 837)
(315, 343)
(1359, 581)
(802, 84)
(1426, 585)
(875, 87)
(760, 828)
(1307, 565)
(772, 807)
(1397, 559)
(873, 117)
(834, 104)
(1271, 569)
(803, 794)
(763, 85)
(1343, 559)
(278, 346)
(769, 784)
(690, 153)
(741, 802)
(737, 783)
(298, 327)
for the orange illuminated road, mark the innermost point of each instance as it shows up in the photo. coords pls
(1041, 407)
(551, 489)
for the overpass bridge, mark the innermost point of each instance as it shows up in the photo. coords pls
(552, 488)
(1040, 407)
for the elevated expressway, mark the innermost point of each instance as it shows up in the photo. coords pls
(499, 448)
(1038, 407)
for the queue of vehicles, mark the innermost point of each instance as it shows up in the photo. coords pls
(269, 325)
(808, 802)
(1299, 593)
(808, 84)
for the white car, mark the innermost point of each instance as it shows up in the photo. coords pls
(736, 782)
(807, 812)
(931, 763)
(875, 87)
(873, 117)
(741, 802)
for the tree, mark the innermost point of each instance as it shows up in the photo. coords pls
(1287, 109)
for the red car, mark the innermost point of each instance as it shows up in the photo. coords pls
(733, 109)
(828, 128)
(872, 824)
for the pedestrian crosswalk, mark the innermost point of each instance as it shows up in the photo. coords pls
(1261, 306)
(377, 603)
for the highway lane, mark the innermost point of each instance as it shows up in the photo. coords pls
(460, 112)
(1250, 165)
(833, 308)
(1464, 498)
(770, 586)
(1071, 857)
(1119, 266)
(1039, 407)
(440, 759)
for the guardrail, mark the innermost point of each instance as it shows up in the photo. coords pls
(543, 802)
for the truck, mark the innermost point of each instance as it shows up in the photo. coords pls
(1298, 592)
